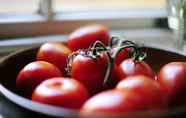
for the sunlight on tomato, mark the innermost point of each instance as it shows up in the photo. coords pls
(63, 92)
(55, 53)
(130, 67)
(172, 78)
(84, 37)
(91, 72)
(148, 88)
(33, 74)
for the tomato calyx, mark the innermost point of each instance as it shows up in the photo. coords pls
(97, 49)
(138, 55)
(94, 52)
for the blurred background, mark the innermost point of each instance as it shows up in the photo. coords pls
(26, 23)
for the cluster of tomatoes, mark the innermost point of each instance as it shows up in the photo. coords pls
(94, 74)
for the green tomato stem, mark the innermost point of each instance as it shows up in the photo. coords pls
(111, 60)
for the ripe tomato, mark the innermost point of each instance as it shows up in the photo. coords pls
(84, 37)
(33, 74)
(111, 101)
(172, 78)
(91, 72)
(60, 91)
(147, 88)
(130, 67)
(55, 53)
(122, 55)
(115, 101)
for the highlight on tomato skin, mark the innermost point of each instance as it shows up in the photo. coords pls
(55, 53)
(122, 55)
(133, 94)
(172, 78)
(130, 67)
(148, 88)
(60, 91)
(84, 37)
(111, 101)
(91, 72)
(114, 101)
(33, 74)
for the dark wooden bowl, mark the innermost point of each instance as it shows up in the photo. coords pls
(13, 63)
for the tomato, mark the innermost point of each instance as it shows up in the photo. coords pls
(122, 55)
(33, 74)
(172, 78)
(60, 91)
(147, 88)
(136, 93)
(91, 72)
(110, 102)
(55, 53)
(84, 37)
(130, 67)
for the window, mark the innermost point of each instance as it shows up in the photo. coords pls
(44, 17)
(102, 5)
(18, 6)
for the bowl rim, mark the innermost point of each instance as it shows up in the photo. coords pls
(56, 111)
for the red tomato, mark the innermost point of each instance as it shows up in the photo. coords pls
(84, 37)
(63, 92)
(148, 88)
(111, 101)
(55, 53)
(172, 78)
(91, 72)
(122, 55)
(129, 67)
(115, 101)
(33, 74)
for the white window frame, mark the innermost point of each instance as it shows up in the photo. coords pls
(47, 22)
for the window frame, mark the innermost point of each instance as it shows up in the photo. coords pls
(47, 23)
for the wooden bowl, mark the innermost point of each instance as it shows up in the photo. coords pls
(13, 63)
